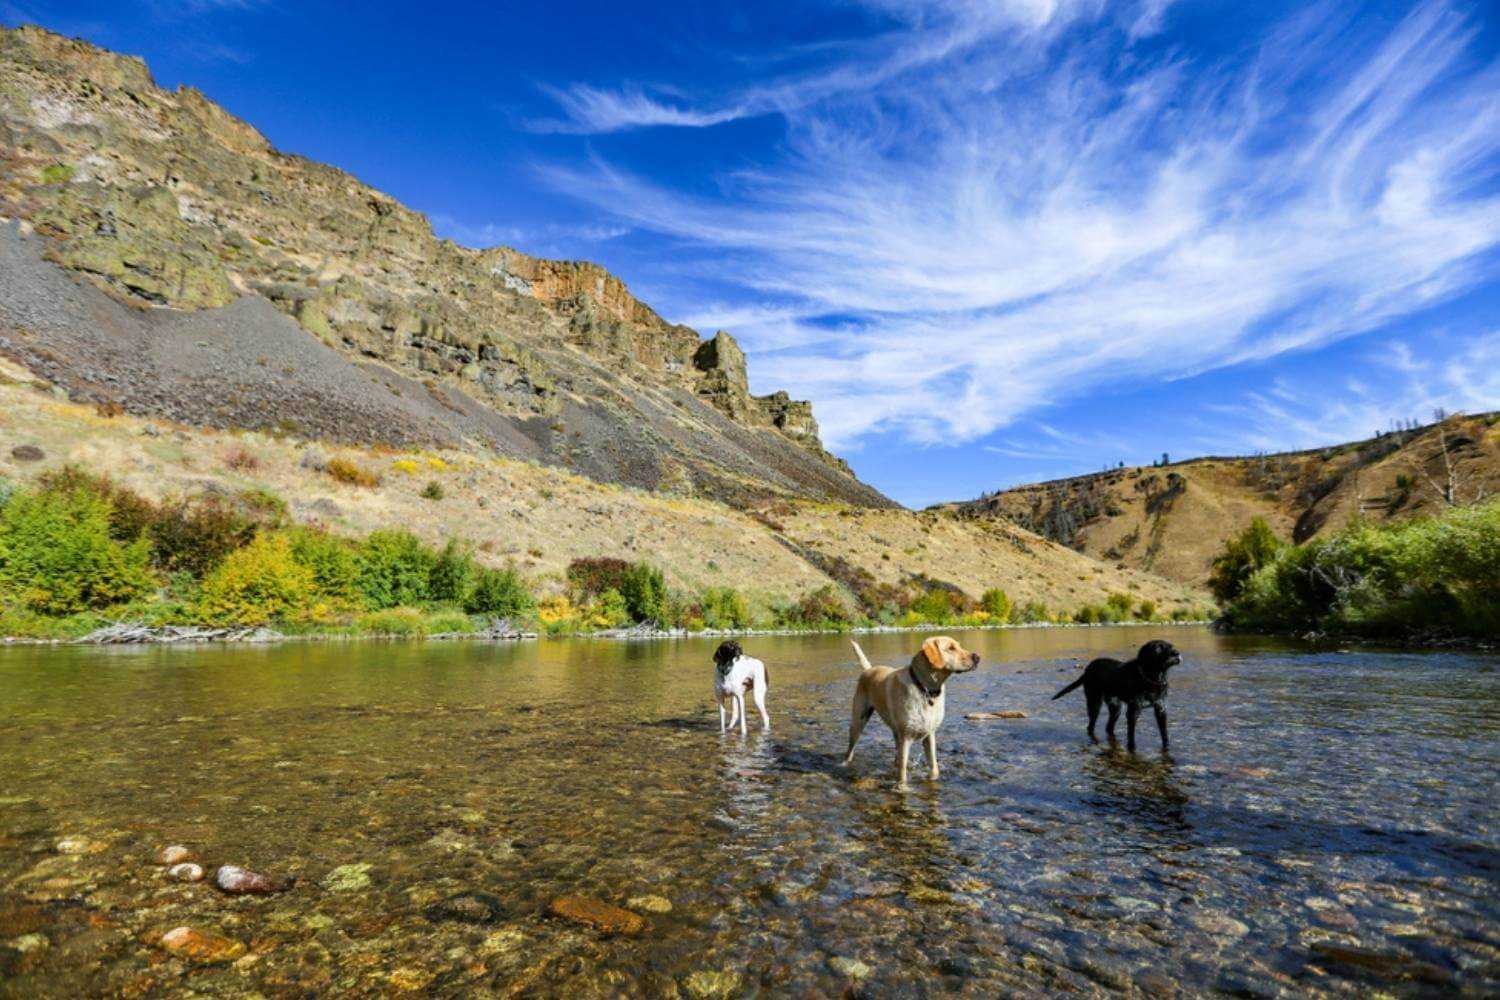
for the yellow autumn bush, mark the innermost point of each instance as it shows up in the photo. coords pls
(258, 584)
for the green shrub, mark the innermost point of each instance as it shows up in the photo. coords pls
(1242, 556)
(130, 514)
(645, 591)
(57, 173)
(58, 555)
(394, 621)
(1146, 611)
(258, 584)
(333, 562)
(499, 592)
(609, 610)
(1117, 607)
(821, 608)
(995, 603)
(1091, 614)
(1432, 576)
(196, 535)
(592, 576)
(452, 574)
(443, 621)
(395, 568)
(724, 608)
(433, 490)
(1033, 611)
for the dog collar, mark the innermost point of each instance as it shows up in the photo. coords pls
(932, 696)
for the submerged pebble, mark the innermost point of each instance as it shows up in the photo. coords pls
(467, 907)
(707, 984)
(597, 914)
(649, 904)
(238, 881)
(203, 947)
(348, 878)
(185, 872)
(175, 854)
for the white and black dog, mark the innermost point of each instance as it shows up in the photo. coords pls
(734, 674)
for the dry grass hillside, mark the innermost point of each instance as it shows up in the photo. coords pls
(541, 518)
(1172, 520)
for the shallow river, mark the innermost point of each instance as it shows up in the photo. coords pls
(1326, 823)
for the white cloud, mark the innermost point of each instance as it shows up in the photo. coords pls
(927, 33)
(1396, 387)
(550, 239)
(1015, 224)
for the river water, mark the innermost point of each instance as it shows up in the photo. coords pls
(1326, 823)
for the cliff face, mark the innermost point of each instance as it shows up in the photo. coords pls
(164, 200)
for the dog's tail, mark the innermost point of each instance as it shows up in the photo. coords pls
(1067, 689)
(864, 661)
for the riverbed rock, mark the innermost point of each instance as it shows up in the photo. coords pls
(1217, 924)
(596, 913)
(203, 947)
(78, 845)
(173, 855)
(468, 907)
(649, 904)
(711, 984)
(849, 968)
(348, 878)
(237, 881)
(185, 872)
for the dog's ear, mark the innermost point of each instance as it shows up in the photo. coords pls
(933, 650)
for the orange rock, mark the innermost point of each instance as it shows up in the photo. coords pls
(201, 946)
(597, 914)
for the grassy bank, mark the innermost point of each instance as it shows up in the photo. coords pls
(1431, 578)
(79, 551)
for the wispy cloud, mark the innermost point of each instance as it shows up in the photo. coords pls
(920, 34)
(1396, 386)
(1020, 222)
(550, 239)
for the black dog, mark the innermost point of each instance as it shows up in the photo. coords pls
(1134, 684)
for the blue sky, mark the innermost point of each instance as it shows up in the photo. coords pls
(992, 241)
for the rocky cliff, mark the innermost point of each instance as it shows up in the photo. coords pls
(178, 213)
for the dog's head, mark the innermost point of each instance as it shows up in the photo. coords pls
(1158, 656)
(726, 654)
(943, 655)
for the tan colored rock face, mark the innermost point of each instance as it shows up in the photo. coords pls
(164, 199)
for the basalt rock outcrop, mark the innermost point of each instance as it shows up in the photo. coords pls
(164, 202)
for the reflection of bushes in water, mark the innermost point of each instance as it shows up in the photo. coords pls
(1436, 575)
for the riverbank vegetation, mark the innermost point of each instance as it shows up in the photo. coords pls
(79, 551)
(1436, 577)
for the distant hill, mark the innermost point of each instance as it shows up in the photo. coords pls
(1172, 520)
(248, 287)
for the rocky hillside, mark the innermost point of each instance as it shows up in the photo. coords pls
(540, 518)
(1172, 520)
(233, 285)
